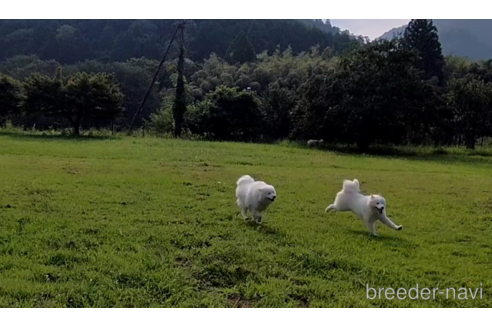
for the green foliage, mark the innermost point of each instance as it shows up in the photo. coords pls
(421, 36)
(44, 95)
(460, 37)
(162, 121)
(70, 44)
(277, 105)
(22, 66)
(240, 50)
(83, 96)
(281, 69)
(481, 70)
(10, 96)
(456, 67)
(227, 114)
(71, 41)
(133, 77)
(472, 102)
(94, 95)
(374, 96)
(369, 93)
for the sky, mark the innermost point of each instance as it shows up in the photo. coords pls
(371, 28)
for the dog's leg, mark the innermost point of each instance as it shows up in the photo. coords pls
(243, 213)
(257, 217)
(243, 208)
(390, 223)
(331, 207)
(372, 227)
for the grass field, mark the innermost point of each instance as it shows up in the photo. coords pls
(144, 222)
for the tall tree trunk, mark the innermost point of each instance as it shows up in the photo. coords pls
(76, 125)
(76, 129)
(470, 141)
(362, 144)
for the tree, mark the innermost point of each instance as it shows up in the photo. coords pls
(44, 95)
(472, 104)
(276, 107)
(421, 36)
(240, 50)
(256, 33)
(227, 114)
(20, 41)
(10, 96)
(123, 46)
(71, 41)
(84, 96)
(21, 67)
(71, 46)
(375, 95)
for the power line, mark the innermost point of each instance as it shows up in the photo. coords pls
(180, 26)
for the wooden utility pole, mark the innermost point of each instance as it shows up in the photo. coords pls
(178, 27)
(179, 107)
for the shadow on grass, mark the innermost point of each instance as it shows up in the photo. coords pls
(382, 237)
(264, 228)
(53, 137)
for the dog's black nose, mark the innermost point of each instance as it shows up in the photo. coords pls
(273, 198)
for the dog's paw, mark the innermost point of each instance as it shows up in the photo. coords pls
(399, 228)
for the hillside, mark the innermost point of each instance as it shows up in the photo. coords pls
(72, 41)
(462, 37)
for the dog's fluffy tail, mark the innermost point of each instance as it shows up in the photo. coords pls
(244, 179)
(351, 186)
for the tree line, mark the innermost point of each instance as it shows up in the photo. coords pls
(397, 92)
(72, 41)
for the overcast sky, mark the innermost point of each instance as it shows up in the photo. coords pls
(372, 28)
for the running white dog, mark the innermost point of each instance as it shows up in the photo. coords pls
(368, 208)
(254, 196)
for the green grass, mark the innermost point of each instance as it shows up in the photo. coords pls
(144, 222)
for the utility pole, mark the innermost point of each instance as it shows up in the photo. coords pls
(139, 110)
(179, 107)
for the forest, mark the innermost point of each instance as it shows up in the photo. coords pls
(244, 80)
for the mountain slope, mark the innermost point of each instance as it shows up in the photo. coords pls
(461, 37)
(71, 41)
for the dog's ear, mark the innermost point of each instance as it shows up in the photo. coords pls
(372, 196)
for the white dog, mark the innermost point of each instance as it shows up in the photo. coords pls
(368, 208)
(254, 196)
(314, 143)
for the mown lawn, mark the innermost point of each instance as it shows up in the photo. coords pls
(145, 222)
